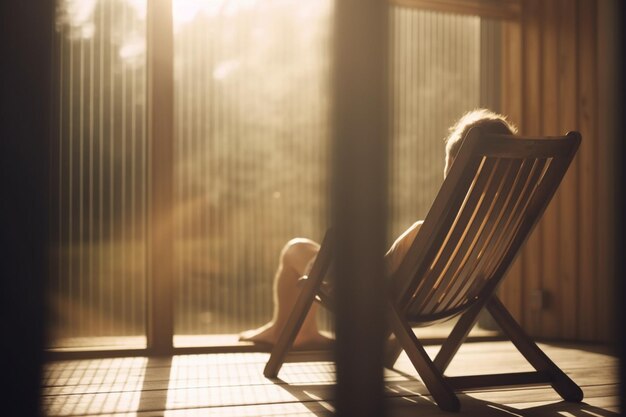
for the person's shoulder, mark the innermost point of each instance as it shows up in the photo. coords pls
(415, 226)
(409, 234)
(398, 250)
(418, 223)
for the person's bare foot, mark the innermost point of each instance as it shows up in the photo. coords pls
(265, 335)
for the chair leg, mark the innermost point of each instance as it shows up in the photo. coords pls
(301, 308)
(451, 345)
(433, 379)
(392, 352)
(292, 327)
(561, 383)
(456, 338)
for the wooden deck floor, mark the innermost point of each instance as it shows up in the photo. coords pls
(233, 385)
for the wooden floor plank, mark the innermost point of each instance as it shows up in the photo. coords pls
(233, 385)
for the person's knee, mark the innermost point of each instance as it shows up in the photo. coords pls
(297, 253)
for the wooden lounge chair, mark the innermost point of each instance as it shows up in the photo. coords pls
(489, 203)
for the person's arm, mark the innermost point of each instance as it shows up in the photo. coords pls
(398, 250)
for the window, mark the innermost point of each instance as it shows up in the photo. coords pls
(251, 123)
(98, 207)
(442, 65)
(252, 131)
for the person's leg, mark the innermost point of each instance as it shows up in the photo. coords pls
(294, 258)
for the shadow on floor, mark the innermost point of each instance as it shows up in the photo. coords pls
(410, 406)
(412, 401)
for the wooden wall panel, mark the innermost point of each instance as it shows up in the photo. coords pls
(511, 290)
(531, 125)
(569, 254)
(551, 319)
(567, 91)
(587, 103)
(608, 96)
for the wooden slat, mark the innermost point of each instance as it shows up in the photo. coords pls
(491, 380)
(495, 198)
(567, 89)
(508, 195)
(485, 225)
(454, 244)
(531, 125)
(587, 198)
(511, 289)
(403, 286)
(607, 130)
(522, 195)
(550, 224)
(493, 9)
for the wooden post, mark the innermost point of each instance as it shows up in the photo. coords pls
(359, 201)
(160, 55)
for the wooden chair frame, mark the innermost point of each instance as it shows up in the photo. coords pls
(447, 273)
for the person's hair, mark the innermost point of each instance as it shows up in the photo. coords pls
(483, 118)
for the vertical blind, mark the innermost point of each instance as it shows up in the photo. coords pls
(252, 131)
(252, 128)
(98, 203)
(439, 63)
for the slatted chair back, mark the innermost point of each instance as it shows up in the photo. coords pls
(497, 189)
(495, 193)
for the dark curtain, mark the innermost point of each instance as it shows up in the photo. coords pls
(25, 39)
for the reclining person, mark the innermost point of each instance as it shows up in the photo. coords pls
(298, 254)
